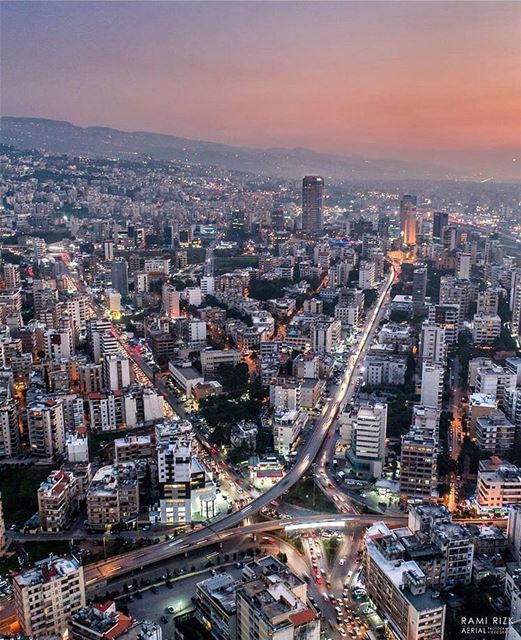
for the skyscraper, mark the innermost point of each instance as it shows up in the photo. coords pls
(408, 220)
(312, 194)
(440, 221)
(419, 287)
(119, 275)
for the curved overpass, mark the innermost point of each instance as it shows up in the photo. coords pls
(307, 454)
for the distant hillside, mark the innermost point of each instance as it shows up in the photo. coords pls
(63, 137)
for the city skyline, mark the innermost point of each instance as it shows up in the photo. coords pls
(432, 82)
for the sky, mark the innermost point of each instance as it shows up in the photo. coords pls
(436, 82)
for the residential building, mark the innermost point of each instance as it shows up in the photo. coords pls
(364, 429)
(433, 344)
(171, 300)
(495, 433)
(113, 497)
(211, 359)
(486, 329)
(57, 501)
(48, 594)
(45, 424)
(432, 385)
(271, 604)
(286, 428)
(500, 487)
(216, 607)
(398, 588)
(9, 427)
(119, 275)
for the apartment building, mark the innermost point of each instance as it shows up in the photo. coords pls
(398, 588)
(364, 429)
(271, 604)
(495, 433)
(216, 606)
(113, 497)
(45, 424)
(57, 501)
(286, 429)
(48, 594)
(499, 487)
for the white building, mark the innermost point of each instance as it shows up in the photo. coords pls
(433, 344)
(499, 488)
(286, 428)
(464, 265)
(77, 445)
(116, 372)
(193, 296)
(207, 286)
(486, 328)
(285, 396)
(171, 299)
(432, 385)
(366, 275)
(398, 589)
(364, 429)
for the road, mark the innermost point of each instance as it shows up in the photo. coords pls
(306, 456)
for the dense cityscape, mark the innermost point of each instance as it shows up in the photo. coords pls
(235, 407)
(260, 320)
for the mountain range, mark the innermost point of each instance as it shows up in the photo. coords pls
(57, 136)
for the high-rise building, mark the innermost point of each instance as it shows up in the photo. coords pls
(364, 429)
(433, 345)
(12, 276)
(116, 372)
(171, 298)
(432, 385)
(119, 275)
(48, 594)
(419, 288)
(9, 428)
(312, 196)
(419, 453)
(464, 265)
(408, 220)
(57, 501)
(46, 428)
(440, 221)
(108, 250)
(399, 588)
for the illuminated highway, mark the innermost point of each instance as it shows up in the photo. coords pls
(306, 456)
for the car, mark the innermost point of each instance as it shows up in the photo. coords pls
(342, 562)
(170, 609)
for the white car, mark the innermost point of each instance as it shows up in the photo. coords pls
(341, 562)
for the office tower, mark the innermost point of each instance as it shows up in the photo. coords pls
(45, 423)
(433, 345)
(47, 594)
(399, 588)
(171, 298)
(277, 219)
(383, 225)
(440, 221)
(12, 276)
(312, 195)
(364, 429)
(419, 288)
(464, 265)
(108, 250)
(408, 220)
(119, 275)
(115, 372)
(9, 429)
(432, 385)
